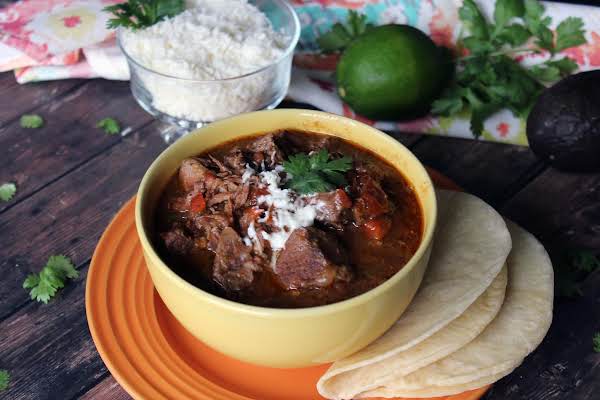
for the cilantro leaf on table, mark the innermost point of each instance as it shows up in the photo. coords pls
(109, 125)
(316, 172)
(487, 79)
(341, 34)
(596, 342)
(7, 191)
(31, 121)
(4, 379)
(136, 14)
(52, 277)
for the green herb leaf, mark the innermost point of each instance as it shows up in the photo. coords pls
(43, 286)
(110, 126)
(316, 172)
(7, 191)
(569, 33)
(136, 14)
(565, 65)
(476, 45)
(31, 121)
(545, 73)
(585, 261)
(341, 34)
(514, 34)
(506, 10)
(334, 40)
(538, 24)
(450, 103)
(473, 19)
(571, 267)
(4, 379)
(596, 342)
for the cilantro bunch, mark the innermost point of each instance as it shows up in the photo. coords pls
(136, 14)
(488, 79)
(316, 172)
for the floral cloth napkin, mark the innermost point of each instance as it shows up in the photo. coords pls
(58, 39)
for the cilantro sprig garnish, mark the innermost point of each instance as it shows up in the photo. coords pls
(51, 278)
(487, 79)
(316, 172)
(31, 121)
(7, 191)
(341, 34)
(596, 342)
(4, 379)
(136, 14)
(109, 125)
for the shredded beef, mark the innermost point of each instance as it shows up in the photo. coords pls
(211, 226)
(264, 151)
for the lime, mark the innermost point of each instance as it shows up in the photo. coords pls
(392, 72)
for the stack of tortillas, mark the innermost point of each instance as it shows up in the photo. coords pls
(484, 304)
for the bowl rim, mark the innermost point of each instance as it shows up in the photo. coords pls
(288, 51)
(351, 302)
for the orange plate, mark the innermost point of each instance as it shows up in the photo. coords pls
(152, 356)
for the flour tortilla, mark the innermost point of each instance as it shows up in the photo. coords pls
(470, 247)
(435, 391)
(519, 328)
(455, 335)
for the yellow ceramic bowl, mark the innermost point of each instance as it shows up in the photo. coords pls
(285, 338)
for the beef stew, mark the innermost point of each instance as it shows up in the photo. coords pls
(237, 222)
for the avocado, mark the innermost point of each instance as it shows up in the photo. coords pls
(563, 127)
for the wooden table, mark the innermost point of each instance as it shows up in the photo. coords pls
(72, 178)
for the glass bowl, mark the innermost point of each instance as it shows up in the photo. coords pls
(187, 104)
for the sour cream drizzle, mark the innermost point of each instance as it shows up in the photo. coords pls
(289, 210)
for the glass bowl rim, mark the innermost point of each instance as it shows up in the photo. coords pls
(290, 49)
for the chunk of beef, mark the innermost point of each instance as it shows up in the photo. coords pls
(234, 266)
(235, 161)
(311, 259)
(265, 150)
(177, 242)
(332, 207)
(291, 144)
(370, 199)
(178, 204)
(193, 173)
(211, 227)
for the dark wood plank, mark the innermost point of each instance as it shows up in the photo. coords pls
(33, 157)
(108, 389)
(564, 366)
(48, 349)
(16, 99)
(560, 208)
(68, 216)
(490, 170)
